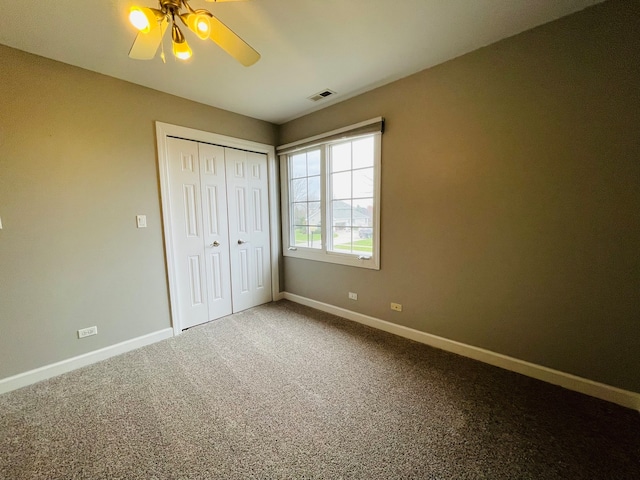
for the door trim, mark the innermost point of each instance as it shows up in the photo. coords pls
(164, 130)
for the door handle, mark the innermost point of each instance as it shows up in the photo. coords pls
(215, 244)
(240, 242)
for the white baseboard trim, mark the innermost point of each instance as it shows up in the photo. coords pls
(572, 382)
(64, 366)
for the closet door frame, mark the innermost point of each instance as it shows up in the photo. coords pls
(165, 130)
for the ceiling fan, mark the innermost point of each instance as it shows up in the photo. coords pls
(153, 22)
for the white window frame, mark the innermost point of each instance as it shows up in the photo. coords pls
(363, 260)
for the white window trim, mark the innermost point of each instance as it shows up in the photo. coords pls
(324, 255)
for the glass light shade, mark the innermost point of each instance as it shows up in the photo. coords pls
(198, 23)
(142, 18)
(202, 26)
(182, 50)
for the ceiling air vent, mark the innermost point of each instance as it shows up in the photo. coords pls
(320, 95)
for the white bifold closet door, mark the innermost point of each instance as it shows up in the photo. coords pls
(220, 229)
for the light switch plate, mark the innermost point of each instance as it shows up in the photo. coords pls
(141, 221)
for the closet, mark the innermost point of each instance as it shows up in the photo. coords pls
(220, 237)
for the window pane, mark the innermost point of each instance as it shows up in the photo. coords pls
(298, 190)
(363, 240)
(365, 205)
(341, 185)
(301, 236)
(353, 240)
(309, 237)
(341, 213)
(341, 157)
(315, 214)
(315, 237)
(314, 189)
(342, 239)
(300, 215)
(299, 165)
(363, 183)
(313, 162)
(363, 153)
(362, 213)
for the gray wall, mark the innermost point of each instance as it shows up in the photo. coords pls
(77, 163)
(510, 198)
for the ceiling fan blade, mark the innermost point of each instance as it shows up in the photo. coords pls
(232, 43)
(146, 45)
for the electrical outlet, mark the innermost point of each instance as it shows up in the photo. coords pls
(353, 296)
(87, 332)
(396, 306)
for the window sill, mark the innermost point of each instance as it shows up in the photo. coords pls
(371, 262)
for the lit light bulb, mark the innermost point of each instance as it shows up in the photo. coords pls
(203, 27)
(182, 50)
(198, 23)
(139, 20)
(143, 18)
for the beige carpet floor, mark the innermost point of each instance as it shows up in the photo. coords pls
(284, 391)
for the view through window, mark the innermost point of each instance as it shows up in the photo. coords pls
(352, 199)
(331, 198)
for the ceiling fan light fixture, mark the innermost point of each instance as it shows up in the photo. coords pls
(200, 21)
(181, 48)
(144, 18)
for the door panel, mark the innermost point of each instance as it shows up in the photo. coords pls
(259, 268)
(184, 188)
(195, 285)
(216, 229)
(249, 238)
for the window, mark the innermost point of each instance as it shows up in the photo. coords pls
(330, 196)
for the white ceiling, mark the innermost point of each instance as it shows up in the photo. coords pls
(349, 46)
